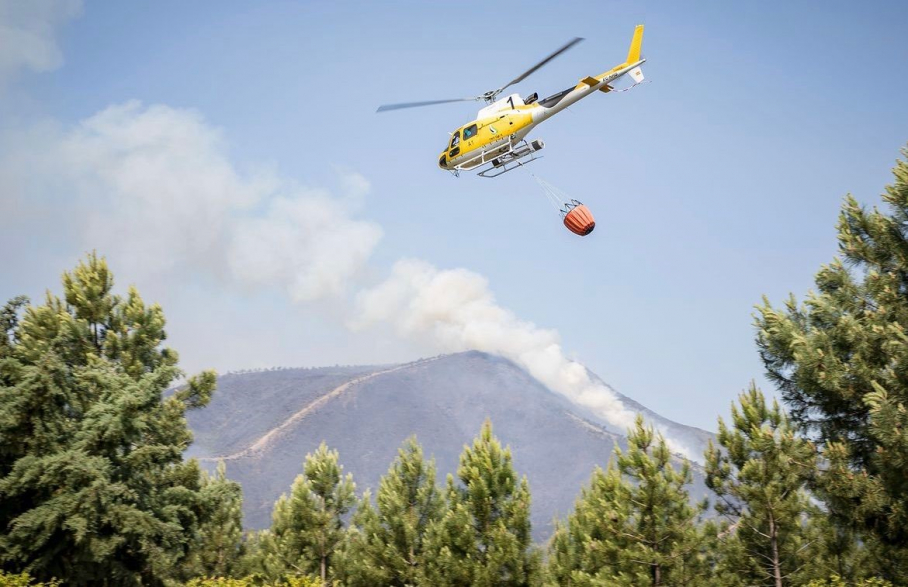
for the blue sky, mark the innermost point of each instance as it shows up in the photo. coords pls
(714, 184)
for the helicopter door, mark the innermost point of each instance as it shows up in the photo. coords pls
(455, 145)
(469, 136)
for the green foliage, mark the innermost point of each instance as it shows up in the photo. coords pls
(483, 538)
(633, 524)
(93, 488)
(385, 544)
(837, 581)
(219, 547)
(721, 555)
(23, 580)
(664, 542)
(587, 548)
(758, 477)
(841, 362)
(302, 581)
(307, 525)
(9, 320)
(220, 582)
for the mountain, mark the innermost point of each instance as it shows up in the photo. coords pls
(263, 423)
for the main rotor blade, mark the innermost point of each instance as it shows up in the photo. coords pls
(531, 70)
(387, 107)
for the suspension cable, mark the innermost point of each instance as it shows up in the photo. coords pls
(557, 198)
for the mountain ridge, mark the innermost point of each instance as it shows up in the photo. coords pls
(263, 423)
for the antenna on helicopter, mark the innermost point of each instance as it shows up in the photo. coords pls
(491, 95)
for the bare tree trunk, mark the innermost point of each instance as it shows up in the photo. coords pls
(776, 565)
(657, 575)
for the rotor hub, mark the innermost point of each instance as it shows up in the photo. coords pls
(491, 96)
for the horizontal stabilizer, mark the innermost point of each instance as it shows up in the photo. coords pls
(590, 81)
(636, 74)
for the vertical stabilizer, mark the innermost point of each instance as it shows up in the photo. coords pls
(633, 55)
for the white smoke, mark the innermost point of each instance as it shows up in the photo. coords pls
(456, 311)
(27, 29)
(304, 245)
(154, 189)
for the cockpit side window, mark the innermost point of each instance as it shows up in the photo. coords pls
(455, 140)
(469, 132)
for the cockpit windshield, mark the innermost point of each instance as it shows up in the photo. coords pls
(455, 140)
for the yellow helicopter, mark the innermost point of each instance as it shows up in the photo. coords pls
(495, 142)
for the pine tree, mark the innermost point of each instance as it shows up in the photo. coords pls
(386, 543)
(483, 538)
(758, 477)
(9, 320)
(722, 554)
(844, 553)
(307, 525)
(93, 488)
(586, 549)
(218, 549)
(634, 524)
(664, 547)
(841, 363)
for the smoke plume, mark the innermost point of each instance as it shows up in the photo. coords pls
(455, 310)
(154, 189)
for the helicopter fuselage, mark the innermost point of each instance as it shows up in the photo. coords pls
(500, 126)
(495, 129)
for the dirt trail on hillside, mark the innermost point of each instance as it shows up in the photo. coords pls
(269, 437)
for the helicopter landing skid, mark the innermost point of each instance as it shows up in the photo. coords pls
(521, 154)
(494, 163)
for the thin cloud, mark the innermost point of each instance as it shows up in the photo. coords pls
(28, 34)
(154, 188)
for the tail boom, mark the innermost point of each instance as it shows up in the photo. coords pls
(601, 83)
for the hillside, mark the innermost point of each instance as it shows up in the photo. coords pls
(263, 424)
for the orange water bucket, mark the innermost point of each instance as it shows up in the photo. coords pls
(579, 220)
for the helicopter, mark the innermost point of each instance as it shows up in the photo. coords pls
(495, 143)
